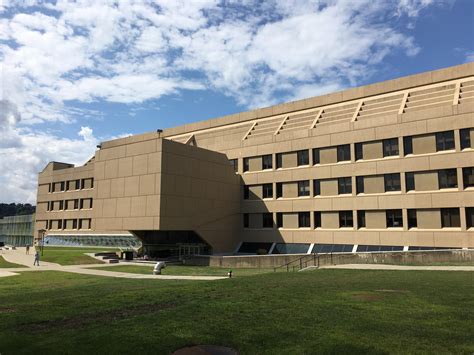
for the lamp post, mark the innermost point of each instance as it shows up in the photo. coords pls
(41, 233)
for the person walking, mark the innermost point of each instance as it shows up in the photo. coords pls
(37, 259)
(27, 249)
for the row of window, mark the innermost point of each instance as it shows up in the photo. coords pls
(66, 205)
(444, 141)
(68, 224)
(450, 218)
(71, 185)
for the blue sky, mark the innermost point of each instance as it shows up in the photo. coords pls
(77, 73)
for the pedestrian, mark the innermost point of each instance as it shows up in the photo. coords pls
(27, 249)
(37, 259)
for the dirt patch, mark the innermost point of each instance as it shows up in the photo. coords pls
(206, 350)
(7, 310)
(370, 297)
(393, 291)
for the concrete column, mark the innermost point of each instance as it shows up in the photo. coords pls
(401, 151)
(405, 219)
(354, 185)
(352, 145)
(457, 140)
(403, 183)
(462, 214)
(460, 179)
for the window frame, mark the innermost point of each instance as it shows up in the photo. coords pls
(443, 142)
(444, 179)
(346, 217)
(343, 186)
(303, 188)
(304, 219)
(392, 216)
(265, 165)
(388, 182)
(388, 147)
(341, 152)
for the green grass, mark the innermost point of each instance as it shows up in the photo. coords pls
(5, 264)
(71, 256)
(184, 270)
(324, 311)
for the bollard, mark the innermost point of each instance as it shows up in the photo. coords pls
(229, 274)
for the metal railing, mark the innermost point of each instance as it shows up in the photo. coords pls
(300, 263)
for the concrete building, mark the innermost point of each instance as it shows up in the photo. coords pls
(387, 166)
(17, 230)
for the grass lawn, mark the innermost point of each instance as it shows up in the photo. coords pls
(324, 311)
(5, 264)
(184, 270)
(71, 256)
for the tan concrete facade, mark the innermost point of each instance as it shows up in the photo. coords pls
(403, 147)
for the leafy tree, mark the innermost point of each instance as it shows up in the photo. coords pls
(16, 209)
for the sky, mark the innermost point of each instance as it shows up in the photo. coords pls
(74, 74)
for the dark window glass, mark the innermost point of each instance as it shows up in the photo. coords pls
(344, 185)
(246, 220)
(92, 183)
(410, 181)
(279, 220)
(429, 248)
(361, 219)
(317, 187)
(62, 186)
(408, 145)
(316, 156)
(392, 182)
(317, 219)
(345, 219)
(246, 192)
(267, 161)
(447, 179)
(394, 218)
(303, 188)
(332, 248)
(378, 248)
(343, 152)
(470, 217)
(61, 205)
(267, 221)
(234, 163)
(390, 147)
(78, 184)
(302, 157)
(444, 140)
(49, 187)
(60, 224)
(450, 217)
(412, 221)
(246, 164)
(465, 138)
(360, 184)
(267, 190)
(279, 187)
(358, 151)
(304, 220)
(74, 223)
(468, 177)
(290, 248)
(76, 204)
(279, 160)
(251, 248)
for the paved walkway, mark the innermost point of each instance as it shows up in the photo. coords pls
(398, 267)
(19, 257)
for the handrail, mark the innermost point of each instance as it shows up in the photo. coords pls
(312, 256)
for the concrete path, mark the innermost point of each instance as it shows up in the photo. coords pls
(398, 267)
(19, 257)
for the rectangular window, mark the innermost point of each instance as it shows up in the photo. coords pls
(235, 164)
(302, 157)
(410, 181)
(317, 187)
(267, 162)
(279, 187)
(246, 164)
(469, 217)
(360, 184)
(246, 220)
(344, 185)
(361, 219)
(280, 220)
(246, 192)
(316, 156)
(279, 160)
(444, 141)
(447, 179)
(468, 177)
(303, 188)
(267, 190)
(358, 151)
(304, 220)
(343, 152)
(345, 219)
(412, 220)
(465, 138)
(450, 218)
(390, 147)
(392, 182)
(267, 220)
(317, 219)
(408, 145)
(394, 218)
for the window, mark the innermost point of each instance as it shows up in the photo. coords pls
(302, 157)
(246, 220)
(343, 152)
(412, 221)
(394, 218)
(345, 219)
(344, 185)
(279, 160)
(303, 188)
(267, 190)
(390, 147)
(450, 218)
(360, 184)
(246, 164)
(235, 164)
(469, 217)
(87, 183)
(468, 177)
(317, 219)
(392, 182)
(410, 181)
(317, 187)
(72, 185)
(290, 248)
(447, 179)
(444, 141)
(85, 203)
(267, 162)
(361, 219)
(246, 192)
(280, 220)
(252, 248)
(465, 138)
(408, 145)
(358, 151)
(332, 248)
(304, 220)
(279, 187)
(267, 220)
(316, 156)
